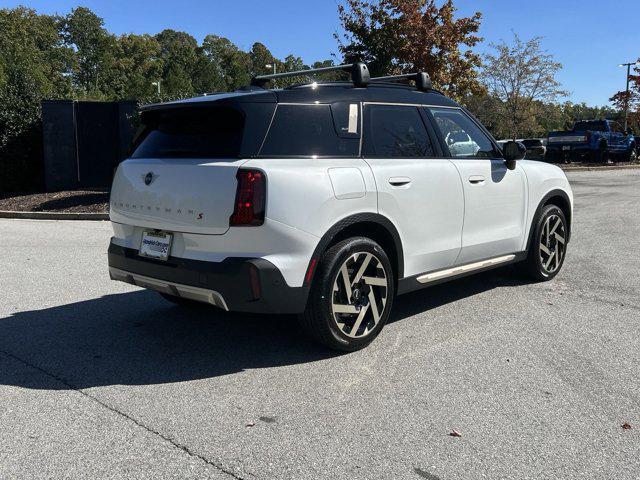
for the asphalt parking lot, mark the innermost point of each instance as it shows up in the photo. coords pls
(103, 380)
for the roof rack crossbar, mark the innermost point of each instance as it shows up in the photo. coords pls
(359, 74)
(423, 82)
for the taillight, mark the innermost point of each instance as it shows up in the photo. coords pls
(250, 199)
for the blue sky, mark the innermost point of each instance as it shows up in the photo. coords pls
(589, 37)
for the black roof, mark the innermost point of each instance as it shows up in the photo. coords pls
(321, 93)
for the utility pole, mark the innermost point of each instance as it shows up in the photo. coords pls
(272, 65)
(626, 98)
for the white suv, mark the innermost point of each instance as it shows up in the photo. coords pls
(327, 200)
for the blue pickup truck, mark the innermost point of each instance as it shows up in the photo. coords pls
(592, 141)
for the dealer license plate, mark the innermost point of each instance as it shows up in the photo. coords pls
(156, 244)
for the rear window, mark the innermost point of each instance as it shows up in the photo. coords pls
(595, 126)
(532, 143)
(306, 131)
(191, 133)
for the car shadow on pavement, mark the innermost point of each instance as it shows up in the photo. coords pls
(138, 338)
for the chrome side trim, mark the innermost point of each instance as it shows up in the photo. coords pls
(185, 291)
(470, 267)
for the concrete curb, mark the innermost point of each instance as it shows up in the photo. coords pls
(54, 215)
(595, 168)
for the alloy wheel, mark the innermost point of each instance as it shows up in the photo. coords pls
(552, 244)
(359, 294)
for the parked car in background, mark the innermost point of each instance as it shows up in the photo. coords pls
(460, 144)
(536, 147)
(592, 141)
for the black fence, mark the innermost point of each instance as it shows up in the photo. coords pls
(84, 142)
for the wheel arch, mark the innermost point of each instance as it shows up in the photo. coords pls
(371, 225)
(561, 199)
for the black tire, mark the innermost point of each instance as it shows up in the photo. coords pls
(535, 266)
(632, 154)
(183, 302)
(335, 330)
(601, 155)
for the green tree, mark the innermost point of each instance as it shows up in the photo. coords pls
(400, 36)
(329, 76)
(34, 65)
(228, 66)
(136, 65)
(84, 31)
(261, 57)
(179, 54)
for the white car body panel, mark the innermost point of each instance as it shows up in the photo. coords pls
(306, 197)
(185, 195)
(431, 237)
(495, 208)
(300, 192)
(301, 206)
(542, 178)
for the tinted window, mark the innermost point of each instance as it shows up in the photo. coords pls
(191, 133)
(306, 130)
(463, 137)
(532, 143)
(396, 131)
(596, 126)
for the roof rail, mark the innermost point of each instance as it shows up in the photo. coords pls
(423, 82)
(359, 74)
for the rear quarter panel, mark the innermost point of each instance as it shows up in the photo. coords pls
(314, 194)
(306, 197)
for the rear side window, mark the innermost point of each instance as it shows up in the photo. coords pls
(306, 131)
(397, 132)
(191, 133)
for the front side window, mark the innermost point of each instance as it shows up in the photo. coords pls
(306, 131)
(397, 132)
(462, 136)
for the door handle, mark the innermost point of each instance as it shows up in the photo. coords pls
(399, 181)
(476, 179)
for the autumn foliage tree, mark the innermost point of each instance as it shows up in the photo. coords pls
(630, 100)
(400, 36)
(522, 77)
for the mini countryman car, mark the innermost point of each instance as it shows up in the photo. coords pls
(328, 200)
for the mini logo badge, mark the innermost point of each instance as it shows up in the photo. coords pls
(149, 178)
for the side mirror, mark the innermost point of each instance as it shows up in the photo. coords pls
(513, 151)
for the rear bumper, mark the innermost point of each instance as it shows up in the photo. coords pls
(575, 153)
(236, 284)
